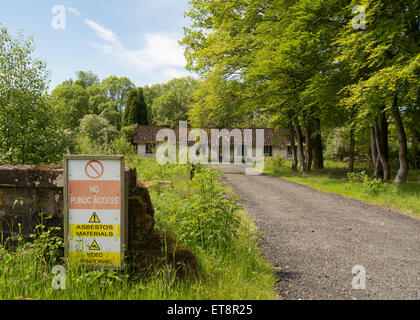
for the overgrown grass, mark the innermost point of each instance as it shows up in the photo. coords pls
(231, 264)
(334, 179)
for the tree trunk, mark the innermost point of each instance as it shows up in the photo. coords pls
(377, 167)
(308, 149)
(293, 147)
(415, 149)
(317, 153)
(351, 153)
(381, 135)
(300, 150)
(402, 142)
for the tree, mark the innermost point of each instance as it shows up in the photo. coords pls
(29, 129)
(71, 103)
(118, 89)
(217, 103)
(168, 103)
(136, 109)
(88, 78)
(388, 55)
(171, 106)
(98, 130)
(280, 51)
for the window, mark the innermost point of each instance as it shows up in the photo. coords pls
(268, 151)
(149, 148)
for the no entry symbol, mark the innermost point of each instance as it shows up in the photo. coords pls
(94, 169)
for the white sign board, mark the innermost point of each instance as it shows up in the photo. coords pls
(95, 210)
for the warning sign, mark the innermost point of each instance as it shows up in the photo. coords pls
(94, 169)
(94, 246)
(96, 258)
(94, 195)
(95, 210)
(94, 218)
(96, 230)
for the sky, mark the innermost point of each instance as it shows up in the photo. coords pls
(137, 39)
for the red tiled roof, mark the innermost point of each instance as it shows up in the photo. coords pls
(147, 134)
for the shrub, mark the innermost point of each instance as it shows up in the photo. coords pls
(357, 176)
(212, 210)
(122, 146)
(362, 177)
(204, 215)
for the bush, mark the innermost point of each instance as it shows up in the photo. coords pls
(278, 163)
(213, 219)
(362, 177)
(122, 146)
(202, 216)
(97, 129)
(129, 131)
(357, 176)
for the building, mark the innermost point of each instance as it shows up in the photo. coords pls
(276, 142)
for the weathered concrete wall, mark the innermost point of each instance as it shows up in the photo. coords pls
(30, 195)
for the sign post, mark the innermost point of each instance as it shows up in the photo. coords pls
(95, 206)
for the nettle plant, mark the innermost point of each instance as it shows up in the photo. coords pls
(201, 213)
(213, 219)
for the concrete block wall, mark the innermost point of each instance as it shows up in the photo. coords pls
(33, 194)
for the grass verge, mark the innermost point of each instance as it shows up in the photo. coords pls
(404, 198)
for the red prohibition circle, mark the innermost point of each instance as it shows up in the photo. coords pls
(96, 174)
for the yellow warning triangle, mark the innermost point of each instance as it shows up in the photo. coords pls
(94, 218)
(94, 246)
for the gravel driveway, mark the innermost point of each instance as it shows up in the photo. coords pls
(315, 239)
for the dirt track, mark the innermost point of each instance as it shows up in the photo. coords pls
(314, 239)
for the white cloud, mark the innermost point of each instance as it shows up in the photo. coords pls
(160, 53)
(74, 11)
(102, 32)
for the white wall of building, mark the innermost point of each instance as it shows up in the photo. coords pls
(277, 151)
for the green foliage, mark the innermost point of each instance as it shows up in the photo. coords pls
(168, 103)
(122, 146)
(337, 144)
(135, 112)
(218, 103)
(87, 78)
(278, 163)
(48, 246)
(334, 179)
(211, 219)
(373, 184)
(304, 63)
(357, 176)
(205, 216)
(71, 102)
(129, 132)
(117, 90)
(97, 129)
(30, 131)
